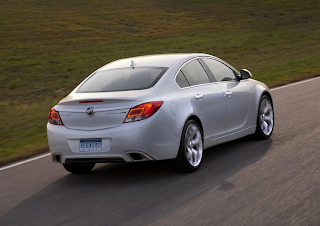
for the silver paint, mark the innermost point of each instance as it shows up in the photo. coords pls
(225, 110)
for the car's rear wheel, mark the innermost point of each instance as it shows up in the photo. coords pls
(265, 118)
(79, 167)
(190, 152)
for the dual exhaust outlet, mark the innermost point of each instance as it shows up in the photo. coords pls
(56, 158)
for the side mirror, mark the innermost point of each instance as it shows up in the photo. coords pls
(245, 74)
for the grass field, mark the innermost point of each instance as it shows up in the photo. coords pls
(48, 47)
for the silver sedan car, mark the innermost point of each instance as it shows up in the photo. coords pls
(147, 108)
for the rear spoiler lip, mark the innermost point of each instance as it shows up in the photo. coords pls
(71, 99)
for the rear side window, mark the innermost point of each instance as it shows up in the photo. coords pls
(194, 73)
(181, 80)
(220, 71)
(122, 79)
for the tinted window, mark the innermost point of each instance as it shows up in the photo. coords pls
(122, 79)
(195, 73)
(181, 80)
(220, 71)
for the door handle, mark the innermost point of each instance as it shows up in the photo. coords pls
(199, 96)
(228, 93)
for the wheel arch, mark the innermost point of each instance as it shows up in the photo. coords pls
(195, 118)
(266, 93)
(260, 90)
(262, 93)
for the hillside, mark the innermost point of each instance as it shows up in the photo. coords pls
(48, 47)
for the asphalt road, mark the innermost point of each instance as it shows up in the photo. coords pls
(244, 182)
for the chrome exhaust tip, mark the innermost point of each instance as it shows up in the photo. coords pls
(138, 156)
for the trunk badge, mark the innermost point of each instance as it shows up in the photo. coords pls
(90, 111)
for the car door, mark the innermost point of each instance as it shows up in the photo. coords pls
(238, 95)
(206, 98)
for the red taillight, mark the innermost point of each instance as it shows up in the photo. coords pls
(143, 111)
(54, 118)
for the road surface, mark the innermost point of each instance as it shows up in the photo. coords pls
(244, 182)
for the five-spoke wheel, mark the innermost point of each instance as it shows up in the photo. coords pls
(191, 148)
(265, 120)
(193, 143)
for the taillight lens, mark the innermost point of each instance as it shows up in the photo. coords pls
(143, 111)
(54, 118)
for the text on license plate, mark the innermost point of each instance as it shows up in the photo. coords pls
(90, 145)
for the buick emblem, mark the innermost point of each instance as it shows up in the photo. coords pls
(90, 111)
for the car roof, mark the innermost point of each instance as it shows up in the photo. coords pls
(157, 60)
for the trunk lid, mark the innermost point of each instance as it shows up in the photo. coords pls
(94, 111)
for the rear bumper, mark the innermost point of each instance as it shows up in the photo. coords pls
(158, 137)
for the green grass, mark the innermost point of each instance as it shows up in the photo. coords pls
(48, 47)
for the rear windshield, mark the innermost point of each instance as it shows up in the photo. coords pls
(122, 79)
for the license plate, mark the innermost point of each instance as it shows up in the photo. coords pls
(90, 145)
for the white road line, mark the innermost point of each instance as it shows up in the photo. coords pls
(295, 83)
(45, 155)
(25, 161)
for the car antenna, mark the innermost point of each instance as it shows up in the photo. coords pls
(133, 64)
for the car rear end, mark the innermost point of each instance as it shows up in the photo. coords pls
(113, 116)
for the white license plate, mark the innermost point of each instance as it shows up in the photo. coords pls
(90, 145)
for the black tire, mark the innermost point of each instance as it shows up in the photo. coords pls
(260, 134)
(181, 162)
(78, 168)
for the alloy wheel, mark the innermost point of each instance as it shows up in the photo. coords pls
(266, 117)
(194, 145)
